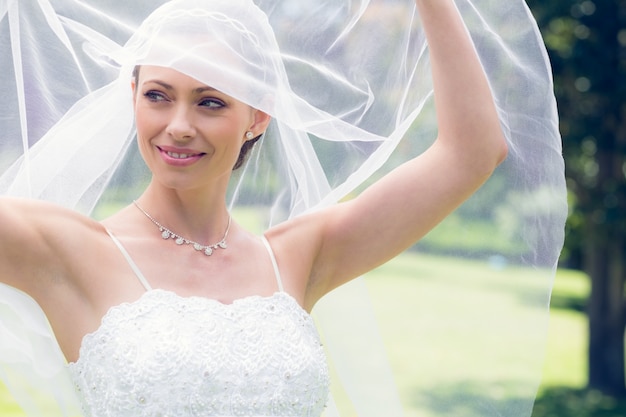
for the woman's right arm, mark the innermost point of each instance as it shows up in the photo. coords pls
(27, 257)
(50, 253)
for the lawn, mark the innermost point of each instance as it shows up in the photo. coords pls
(395, 286)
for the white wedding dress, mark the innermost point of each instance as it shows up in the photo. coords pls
(167, 355)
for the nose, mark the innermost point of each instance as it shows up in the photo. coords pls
(181, 126)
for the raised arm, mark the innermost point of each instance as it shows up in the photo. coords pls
(402, 207)
(34, 238)
(24, 250)
(468, 123)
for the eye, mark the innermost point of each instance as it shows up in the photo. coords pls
(212, 103)
(154, 96)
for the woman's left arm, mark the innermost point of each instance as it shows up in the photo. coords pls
(391, 215)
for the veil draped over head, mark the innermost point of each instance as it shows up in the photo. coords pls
(348, 86)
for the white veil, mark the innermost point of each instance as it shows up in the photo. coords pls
(347, 83)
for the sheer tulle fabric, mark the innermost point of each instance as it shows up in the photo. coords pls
(348, 86)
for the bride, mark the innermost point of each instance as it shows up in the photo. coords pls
(169, 305)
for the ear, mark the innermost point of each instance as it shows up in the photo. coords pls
(260, 121)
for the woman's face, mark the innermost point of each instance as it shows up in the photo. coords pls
(189, 134)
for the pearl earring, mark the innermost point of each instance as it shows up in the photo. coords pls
(249, 135)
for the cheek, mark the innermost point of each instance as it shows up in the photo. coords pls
(228, 130)
(145, 122)
(147, 126)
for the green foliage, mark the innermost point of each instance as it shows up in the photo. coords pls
(455, 235)
(586, 42)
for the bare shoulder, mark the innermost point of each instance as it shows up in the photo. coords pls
(296, 244)
(26, 219)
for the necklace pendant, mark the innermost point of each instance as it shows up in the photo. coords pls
(168, 234)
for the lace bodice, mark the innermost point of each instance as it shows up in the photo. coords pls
(166, 355)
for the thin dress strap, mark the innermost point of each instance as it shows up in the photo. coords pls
(274, 264)
(130, 261)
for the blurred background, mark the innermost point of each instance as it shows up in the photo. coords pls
(584, 374)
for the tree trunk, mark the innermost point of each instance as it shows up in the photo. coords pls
(605, 264)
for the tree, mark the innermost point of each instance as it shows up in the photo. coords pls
(587, 46)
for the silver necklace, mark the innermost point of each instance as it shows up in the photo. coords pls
(168, 234)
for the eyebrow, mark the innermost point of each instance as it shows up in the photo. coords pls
(169, 87)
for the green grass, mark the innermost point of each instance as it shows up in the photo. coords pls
(8, 408)
(434, 288)
(566, 364)
(425, 301)
(563, 392)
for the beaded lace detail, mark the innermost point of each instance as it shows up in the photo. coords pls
(167, 355)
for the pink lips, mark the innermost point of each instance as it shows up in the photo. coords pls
(179, 157)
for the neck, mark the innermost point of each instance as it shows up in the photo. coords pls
(195, 214)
